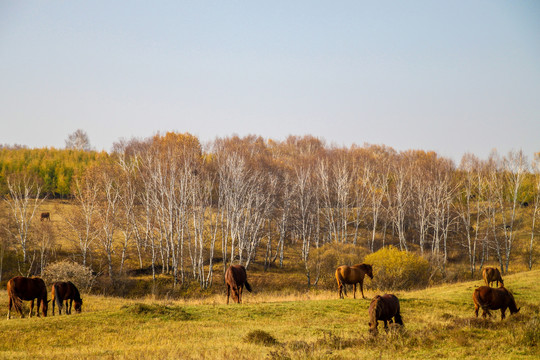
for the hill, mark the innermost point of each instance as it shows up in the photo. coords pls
(439, 323)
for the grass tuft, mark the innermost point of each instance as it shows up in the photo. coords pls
(260, 337)
(154, 311)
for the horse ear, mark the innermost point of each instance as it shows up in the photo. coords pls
(48, 301)
(369, 323)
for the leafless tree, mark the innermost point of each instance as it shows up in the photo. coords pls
(82, 219)
(23, 201)
(536, 174)
(78, 141)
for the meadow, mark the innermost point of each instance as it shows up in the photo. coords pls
(439, 323)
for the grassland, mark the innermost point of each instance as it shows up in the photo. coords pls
(439, 323)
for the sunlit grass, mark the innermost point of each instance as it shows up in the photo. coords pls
(439, 323)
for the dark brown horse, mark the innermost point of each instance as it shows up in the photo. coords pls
(23, 288)
(489, 298)
(45, 216)
(384, 308)
(68, 292)
(490, 275)
(352, 275)
(236, 278)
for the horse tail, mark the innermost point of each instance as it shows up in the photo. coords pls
(248, 287)
(15, 299)
(57, 297)
(340, 282)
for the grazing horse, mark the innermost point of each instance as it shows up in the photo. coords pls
(383, 308)
(45, 216)
(236, 278)
(352, 275)
(490, 275)
(22, 288)
(489, 298)
(65, 291)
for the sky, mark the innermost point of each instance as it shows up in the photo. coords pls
(448, 76)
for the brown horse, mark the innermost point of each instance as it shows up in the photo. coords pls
(68, 292)
(490, 275)
(23, 288)
(45, 216)
(489, 298)
(236, 278)
(383, 308)
(352, 275)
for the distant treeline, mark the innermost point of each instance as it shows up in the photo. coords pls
(53, 169)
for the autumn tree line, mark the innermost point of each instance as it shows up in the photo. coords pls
(176, 206)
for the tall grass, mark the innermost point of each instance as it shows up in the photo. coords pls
(439, 323)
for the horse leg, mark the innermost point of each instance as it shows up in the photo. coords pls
(240, 288)
(503, 313)
(354, 290)
(9, 308)
(362, 289)
(340, 291)
(39, 301)
(385, 325)
(31, 307)
(228, 293)
(70, 306)
(476, 307)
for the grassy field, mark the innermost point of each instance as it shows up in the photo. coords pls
(439, 323)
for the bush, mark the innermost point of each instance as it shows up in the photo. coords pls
(398, 270)
(67, 270)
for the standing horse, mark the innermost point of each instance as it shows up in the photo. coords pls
(383, 308)
(489, 298)
(236, 278)
(22, 288)
(65, 291)
(490, 275)
(352, 275)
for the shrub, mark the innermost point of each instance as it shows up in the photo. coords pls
(67, 270)
(398, 270)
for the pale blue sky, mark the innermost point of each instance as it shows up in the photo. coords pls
(449, 76)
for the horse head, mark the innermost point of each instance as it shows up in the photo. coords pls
(78, 306)
(369, 271)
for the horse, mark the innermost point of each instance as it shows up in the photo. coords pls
(352, 275)
(45, 216)
(489, 298)
(384, 308)
(22, 288)
(490, 275)
(236, 278)
(64, 291)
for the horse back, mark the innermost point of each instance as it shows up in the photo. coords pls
(493, 298)
(27, 288)
(236, 275)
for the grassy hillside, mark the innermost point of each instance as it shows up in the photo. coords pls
(439, 323)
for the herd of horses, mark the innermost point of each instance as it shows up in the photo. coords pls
(384, 308)
(22, 288)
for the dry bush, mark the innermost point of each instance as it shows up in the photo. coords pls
(67, 270)
(398, 270)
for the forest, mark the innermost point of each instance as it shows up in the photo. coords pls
(169, 206)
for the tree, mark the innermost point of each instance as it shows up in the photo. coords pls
(78, 141)
(23, 202)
